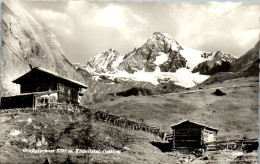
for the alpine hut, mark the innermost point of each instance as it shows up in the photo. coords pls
(40, 87)
(191, 135)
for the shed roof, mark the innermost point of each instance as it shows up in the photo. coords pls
(19, 79)
(186, 121)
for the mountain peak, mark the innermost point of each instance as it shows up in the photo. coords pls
(157, 33)
(162, 42)
(105, 61)
(112, 50)
(160, 36)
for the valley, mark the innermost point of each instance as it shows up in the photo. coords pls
(233, 114)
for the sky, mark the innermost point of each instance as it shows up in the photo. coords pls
(86, 28)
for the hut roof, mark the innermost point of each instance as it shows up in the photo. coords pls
(19, 79)
(188, 121)
(31, 93)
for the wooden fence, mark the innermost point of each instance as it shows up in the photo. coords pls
(129, 124)
(98, 116)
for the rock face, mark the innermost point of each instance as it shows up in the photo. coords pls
(246, 65)
(159, 52)
(249, 62)
(26, 44)
(216, 62)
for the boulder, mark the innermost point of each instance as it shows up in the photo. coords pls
(15, 132)
(218, 92)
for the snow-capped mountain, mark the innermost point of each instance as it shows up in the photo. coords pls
(216, 62)
(160, 53)
(160, 58)
(105, 61)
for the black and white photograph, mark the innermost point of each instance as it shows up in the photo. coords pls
(129, 82)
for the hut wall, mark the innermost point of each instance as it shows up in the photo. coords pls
(38, 82)
(17, 102)
(187, 137)
(45, 99)
(38, 86)
(209, 136)
(75, 95)
(67, 93)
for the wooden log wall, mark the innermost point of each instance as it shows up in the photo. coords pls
(187, 137)
(17, 101)
(67, 93)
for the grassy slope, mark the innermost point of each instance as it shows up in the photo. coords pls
(135, 145)
(235, 115)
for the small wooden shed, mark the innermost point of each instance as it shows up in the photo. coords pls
(191, 135)
(40, 87)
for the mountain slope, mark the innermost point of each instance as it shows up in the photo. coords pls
(249, 61)
(234, 115)
(246, 65)
(26, 44)
(219, 62)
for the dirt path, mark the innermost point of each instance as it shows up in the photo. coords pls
(211, 89)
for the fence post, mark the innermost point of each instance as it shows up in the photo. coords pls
(227, 143)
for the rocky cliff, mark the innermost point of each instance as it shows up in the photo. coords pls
(249, 62)
(26, 44)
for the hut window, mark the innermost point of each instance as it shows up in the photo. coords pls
(61, 88)
(210, 137)
(50, 88)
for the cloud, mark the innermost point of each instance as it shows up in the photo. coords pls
(231, 27)
(113, 16)
(56, 21)
(85, 28)
(120, 18)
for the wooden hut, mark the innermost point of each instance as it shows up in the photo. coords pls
(40, 87)
(191, 135)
